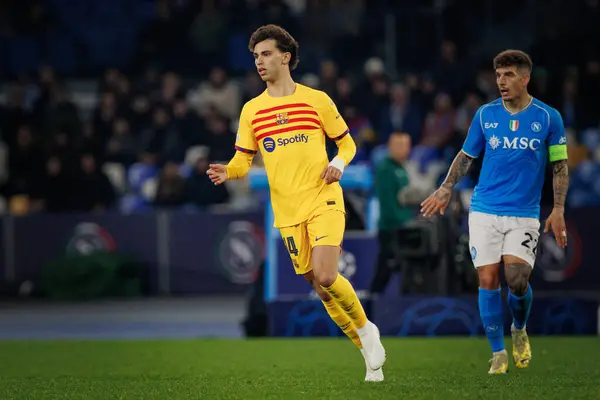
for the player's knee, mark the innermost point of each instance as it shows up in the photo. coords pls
(489, 278)
(326, 278)
(310, 278)
(325, 264)
(517, 277)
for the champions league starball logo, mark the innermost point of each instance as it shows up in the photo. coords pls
(557, 264)
(241, 251)
(89, 238)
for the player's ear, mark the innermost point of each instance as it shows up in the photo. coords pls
(526, 78)
(285, 59)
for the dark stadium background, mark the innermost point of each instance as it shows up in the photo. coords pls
(110, 111)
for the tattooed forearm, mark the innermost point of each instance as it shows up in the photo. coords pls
(560, 182)
(459, 168)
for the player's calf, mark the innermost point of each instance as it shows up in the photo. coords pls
(325, 264)
(520, 297)
(490, 311)
(335, 311)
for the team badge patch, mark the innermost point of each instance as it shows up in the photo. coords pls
(536, 127)
(513, 125)
(281, 118)
(473, 253)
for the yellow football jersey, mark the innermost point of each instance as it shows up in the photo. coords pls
(290, 134)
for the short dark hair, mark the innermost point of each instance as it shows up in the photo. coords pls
(510, 58)
(284, 41)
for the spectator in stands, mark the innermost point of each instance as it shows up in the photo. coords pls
(170, 89)
(465, 113)
(163, 140)
(190, 127)
(25, 163)
(61, 146)
(252, 86)
(61, 114)
(90, 142)
(56, 188)
(374, 94)
(569, 105)
(439, 124)
(201, 191)
(94, 191)
(104, 115)
(219, 93)
(447, 71)
(221, 138)
(401, 115)
(140, 113)
(171, 187)
(328, 77)
(122, 147)
(344, 96)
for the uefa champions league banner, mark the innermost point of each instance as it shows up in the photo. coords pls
(184, 252)
(436, 316)
(575, 268)
(197, 252)
(356, 263)
(215, 253)
(38, 239)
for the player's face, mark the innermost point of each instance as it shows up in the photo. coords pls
(269, 60)
(511, 82)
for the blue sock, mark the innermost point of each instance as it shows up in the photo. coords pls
(490, 310)
(520, 307)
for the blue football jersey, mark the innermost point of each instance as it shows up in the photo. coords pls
(516, 148)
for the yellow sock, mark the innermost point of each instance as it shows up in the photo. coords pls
(342, 320)
(343, 293)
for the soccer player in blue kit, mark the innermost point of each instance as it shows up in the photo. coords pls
(517, 134)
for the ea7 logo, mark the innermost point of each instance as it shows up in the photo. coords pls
(490, 125)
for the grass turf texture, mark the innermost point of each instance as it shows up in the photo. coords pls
(562, 368)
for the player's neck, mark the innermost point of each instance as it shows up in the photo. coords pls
(518, 104)
(281, 87)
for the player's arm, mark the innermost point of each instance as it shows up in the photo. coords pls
(472, 148)
(557, 154)
(336, 128)
(246, 148)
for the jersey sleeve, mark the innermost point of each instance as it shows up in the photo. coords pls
(475, 142)
(557, 139)
(245, 141)
(333, 124)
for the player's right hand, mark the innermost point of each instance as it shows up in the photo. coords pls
(437, 202)
(217, 173)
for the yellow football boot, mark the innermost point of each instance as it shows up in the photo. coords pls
(499, 363)
(521, 348)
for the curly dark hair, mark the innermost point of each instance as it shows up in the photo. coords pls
(517, 58)
(285, 42)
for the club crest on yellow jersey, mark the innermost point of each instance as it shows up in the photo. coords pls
(281, 118)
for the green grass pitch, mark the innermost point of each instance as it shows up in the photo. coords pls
(562, 368)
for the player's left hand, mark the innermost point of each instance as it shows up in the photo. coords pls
(331, 174)
(556, 221)
(437, 202)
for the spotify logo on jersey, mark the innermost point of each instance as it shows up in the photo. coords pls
(269, 144)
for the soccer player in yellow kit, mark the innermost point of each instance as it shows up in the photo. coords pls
(288, 123)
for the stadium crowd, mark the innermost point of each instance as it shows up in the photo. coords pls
(156, 125)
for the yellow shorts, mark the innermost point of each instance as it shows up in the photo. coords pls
(325, 227)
